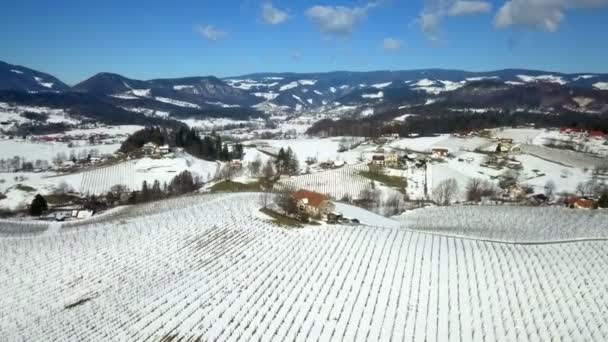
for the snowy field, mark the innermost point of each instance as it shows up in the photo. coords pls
(510, 223)
(134, 172)
(32, 151)
(213, 268)
(336, 183)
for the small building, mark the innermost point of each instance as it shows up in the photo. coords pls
(378, 159)
(538, 199)
(392, 160)
(440, 153)
(236, 164)
(514, 165)
(149, 148)
(599, 135)
(313, 203)
(581, 203)
(513, 192)
(165, 149)
(504, 145)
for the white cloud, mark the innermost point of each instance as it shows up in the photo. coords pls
(338, 20)
(435, 10)
(210, 32)
(462, 7)
(544, 15)
(392, 45)
(273, 15)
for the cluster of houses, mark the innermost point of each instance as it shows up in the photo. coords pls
(151, 149)
(583, 133)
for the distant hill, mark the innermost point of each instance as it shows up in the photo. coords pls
(16, 77)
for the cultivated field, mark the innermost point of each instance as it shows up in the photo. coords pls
(510, 223)
(213, 268)
(336, 183)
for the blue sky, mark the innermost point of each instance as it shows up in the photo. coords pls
(152, 39)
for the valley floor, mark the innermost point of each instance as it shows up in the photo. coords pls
(213, 267)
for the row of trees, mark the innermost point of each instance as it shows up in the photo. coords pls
(429, 122)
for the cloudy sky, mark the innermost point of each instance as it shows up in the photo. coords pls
(158, 38)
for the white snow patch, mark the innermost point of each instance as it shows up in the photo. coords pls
(289, 86)
(601, 85)
(42, 83)
(379, 95)
(223, 105)
(381, 85)
(307, 82)
(177, 103)
(542, 78)
(17, 71)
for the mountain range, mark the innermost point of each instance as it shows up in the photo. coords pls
(256, 95)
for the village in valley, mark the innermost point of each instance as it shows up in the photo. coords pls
(84, 171)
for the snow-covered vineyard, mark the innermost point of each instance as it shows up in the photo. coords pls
(213, 268)
(336, 183)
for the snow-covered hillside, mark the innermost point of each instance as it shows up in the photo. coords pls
(214, 268)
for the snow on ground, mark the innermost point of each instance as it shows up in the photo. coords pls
(325, 149)
(519, 135)
(509, 223)
(288, 86)
(32, 151)
(134, 172)
(601, 85)
(213, 122)
(381, 85)
(307, 82)
(378, 95)
(268, 96)
(481, 78)
(111, 130)
(543, 78)
(365, 217)
(177, 103)
(584, 77)
(336, 183)
(403, 117)
(212, 268)
(568, 158)
(43, 83)
(223, 105)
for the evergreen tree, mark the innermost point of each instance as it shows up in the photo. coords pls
(145, 192)
(38, 206)
(603, 202)
(281, 161)
(291, 161)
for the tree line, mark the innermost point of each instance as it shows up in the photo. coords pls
(451, 122)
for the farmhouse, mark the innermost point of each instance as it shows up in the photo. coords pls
(149, 148)
(392, 160)
(312, 203)
(378, 160)
(439, 153)
(599, 135)
(581, 203)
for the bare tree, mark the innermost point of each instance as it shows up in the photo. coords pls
(285, 201)
(585, 188)
(63, 188)
(393, 205)
(550, 188)
(445, 191)
(268, 171)
(255, 166)
(477, 189)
